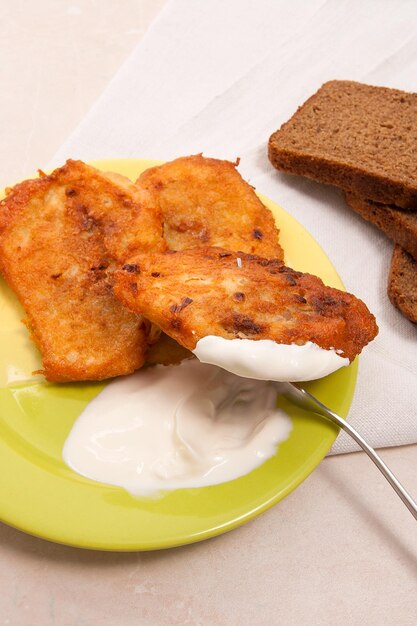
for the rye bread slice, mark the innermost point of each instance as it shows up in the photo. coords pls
(398, 224)
(402, 283)
(355, 136)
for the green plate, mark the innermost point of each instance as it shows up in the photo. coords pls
(40, 495)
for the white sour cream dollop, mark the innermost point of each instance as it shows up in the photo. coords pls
(163, 428)
(267, 360)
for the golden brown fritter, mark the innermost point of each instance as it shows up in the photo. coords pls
(200, 292)
(127, 216)
(59, 235)
(205, 202)
(167, 351)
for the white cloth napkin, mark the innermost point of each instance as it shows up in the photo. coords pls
(219, 77)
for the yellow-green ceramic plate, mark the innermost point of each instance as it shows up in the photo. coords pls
(42, 496)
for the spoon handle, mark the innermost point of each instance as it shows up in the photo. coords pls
(303, 398)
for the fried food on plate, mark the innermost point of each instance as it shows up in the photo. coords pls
(167, 351)
(126, 215)
(200, 292)
(59, 238)
(205, 202)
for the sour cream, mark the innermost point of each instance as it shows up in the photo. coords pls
(268, 360)
(164, 428)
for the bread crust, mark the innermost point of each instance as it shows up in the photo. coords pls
(398, 224)
(357, 137)
(402, 283)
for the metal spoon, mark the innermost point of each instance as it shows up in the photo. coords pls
(305, 400)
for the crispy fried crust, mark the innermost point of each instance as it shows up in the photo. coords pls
(205, 202)
(126, 215)
(200, 292)
(54, 256)
(166, 351)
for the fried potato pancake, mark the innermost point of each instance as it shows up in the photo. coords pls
(167, 351)
(127, 216)
(205, 202)
(60, 236)
(195, 293)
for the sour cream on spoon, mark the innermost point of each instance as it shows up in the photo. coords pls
(267, 360)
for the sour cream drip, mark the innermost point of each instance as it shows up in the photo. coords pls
(268, 360)
(163, 428)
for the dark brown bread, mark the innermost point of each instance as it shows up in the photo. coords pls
(402, 283)
(354, 136)
(398, 224)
